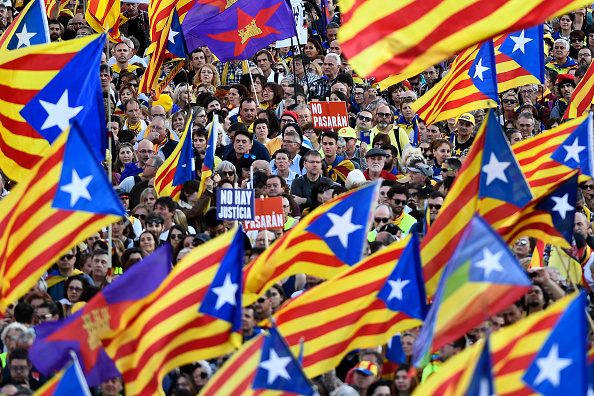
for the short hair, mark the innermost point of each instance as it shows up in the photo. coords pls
(264, 52)
(155, 215)
(346, 79)
(454, 162)
(331, 135)
(402, 190)
(105, 68)
(99, 252)
(19, 353)
(406, 101)
(526, 115)
(334, 56)
(168, 202)
(332, 25)
(55, 22)
(295, 134)
(24, 313)
(157, 161)
(564, 42)
(282, 151)
(436, 194)
(393, 150)
(51, 307)
(312, 153)
(259, 121)
(283, 182)
(581, 71)
(246, 99)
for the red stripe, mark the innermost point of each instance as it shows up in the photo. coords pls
(23, 159)
(453, 380)
(39, 62)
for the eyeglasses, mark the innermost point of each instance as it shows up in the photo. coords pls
(141, 216)
(154, 221)
(383, 115)
(224, 87)
(146, 151)
(583, 55)
(177, 236)
(289, 142)
(588, 187)
(562, 47)
(206, 71)
(512, 101)
(314, 162)
(157, 128)
(252, 156)
(75, 289)
(133, 85)
(522, 242)
(227, 173)
(366, 119)
(67, 257)
(382, 219)
(525, 125)
(19, 368)
(434, 206)
(399, 201)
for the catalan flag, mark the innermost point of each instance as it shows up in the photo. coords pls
(65, 199)
(69, 381)
(159, 11)
(23, 74)
(481, 278)
(50, 6)
(470, 85)
(576, 151)
(178, 168)
(544, 353)
(209, 155)
(107, 313)
(102, 15)
(263, 365)
(176, 44)
(362, 307)
(428, 32)
(195, 314)
(537, 260)
(323, 244)
(150, 78)
(582, 97)
(490, 182)
(28, 28)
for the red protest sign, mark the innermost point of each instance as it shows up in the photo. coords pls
(268, 215)
(329, 115)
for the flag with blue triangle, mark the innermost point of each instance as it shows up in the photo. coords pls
(482, 380)
(223, 298)
(482, 72)
(576, 151)
(501, 176)
(526, 47)
(394, 351)
(69, 381)
(560, 204)
(175, 42)
(74, 94)
(404, 290)
(29, 28)
(560, 367)
(481, 278)
(186, 166)
(278, 369)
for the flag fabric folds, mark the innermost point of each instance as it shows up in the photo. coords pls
(582, 97)
(66, 198)
(103, 15)
(150, 78)
(490, 182)
(525, 351)
(23, 74)
(106, 314)
(178, 168)
(195, 314)
(243, 28)
(323, 244)
(70, 381)
(481, 278)
(428, 32)
(209, 155)
(576, 151)
(175, 41)
(471, 84)
(362, 307)
(73, 94)
(29, 28)
(159, 11)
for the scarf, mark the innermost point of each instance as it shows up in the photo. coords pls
(341, 170)
(412, 126)
(136, 128)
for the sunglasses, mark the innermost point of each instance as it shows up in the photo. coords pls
(434, 206)
(141, 216)
(252, 156)
(385, 115)
(227, 173)
(225, 87)
(75, 289)
(512, 101)
(177, 236)
(447, 169)
(67, 257)
(576, 40)
(522, 242)
(203, 375)
(382, 219)
(133, 85)
(154, 221)
(399, 201)
(366, 119)
(261, 300)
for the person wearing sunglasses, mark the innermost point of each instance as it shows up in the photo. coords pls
(176, 234)
(434, 205)
(509, 102)
(381, 216)
(397, 199)
(56, 278)
(201, 373)
(363, 125)
(521, 247)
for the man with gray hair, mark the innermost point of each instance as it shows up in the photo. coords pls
(321, 88)
(561, 63)
(526, 124)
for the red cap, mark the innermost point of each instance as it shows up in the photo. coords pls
(562, 78)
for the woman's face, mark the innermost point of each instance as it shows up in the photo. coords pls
(245, 173)
(178, 122)
(75, 289)
(267, 94)
(565, 22)
(257, 86)
(227, 185)
(175, 237)
(126, 155)
(407, 344)
(150, 201)
(383, 390)
(509, 102)
(126, 95)
(140, 214)
(87, 266)
(442, 152)
(188, 242)
(311, 135)
(212, 106)
(334, 98)
(206, 75)
(182, 383)
(118, 229)
(147, 242)
(397, 95)
(200, 376)
(234, 97)
(227, 173)
(261, 132)
(310, 50)
(275, 299)
(401, 381)
(114, 128)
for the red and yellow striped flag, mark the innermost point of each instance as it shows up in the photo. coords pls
(103, 15)
(538, 255)
(509, 73)
(150, 78)
(50, 6)
(403, 38)
(159, 12)
(23, 73)
(513, 348)
(582, 97)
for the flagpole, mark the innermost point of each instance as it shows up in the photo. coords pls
(254, 88)
(109, 159)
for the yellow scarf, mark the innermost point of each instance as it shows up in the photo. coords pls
(136, 128)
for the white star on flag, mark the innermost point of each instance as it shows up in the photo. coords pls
(77, 188)
(225, 293)
(490, 262)
(480, 69)
(562, 205)
(59, 114)
(276, 366)
(172, 34)
(342, 226)
(397, 288)
(520, 42)
(25, 37)
(550, 367)
(573, 151)
(495, 169)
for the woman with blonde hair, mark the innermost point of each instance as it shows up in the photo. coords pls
(208, 74)
(149, 197)
(182, 97)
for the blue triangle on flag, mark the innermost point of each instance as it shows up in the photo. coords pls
(394, 351)
(526, 47)
(560, 204)
(32, 28)
(483, 73)
(576, 151)
(185, 169)
(175, 43)
(482, 380)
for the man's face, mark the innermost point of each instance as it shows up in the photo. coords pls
(447, 351)
(566, 90)
(122, 53)
(158, 126)
(263, 62)
(248, 112)
(335, 47)
(330, 67)
(43, 315)
(383, 117)
(528, 94)
(99, 262)
(329, 147)
(331, 34)
(133, 113)
(212, 106)
(363, 381)
(340, 87)
(580, 224)
(54, 30)
(381, 217)
(200, 143)
(78, 21)
(511, 315)
(433, 132)
(148, 170)
(370, 95)
(397, 203)
(155, 226)
(111, 387)
(418, 177)
(19, 370)
(242, 144)
(364, 120)
(105, 80)
(158, 111)
(376, 163)
(313, 165)
(164, 211)
(248, 322)
(465, 128)
(560, 50)
(430, 74)
(534, 297)
(434, 206)
(198, 60)
(358, 93)
(273, 187)
(290, 144)
(304, 116)
(526, 126)
(289, 92)
(66, 262)
(584, 56)
(11, 339)
(145, 148)
(131, 9)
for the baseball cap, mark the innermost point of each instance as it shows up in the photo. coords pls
(347, 132)
(422, 168)
(376, 152)
(467, 117)
(366, 368)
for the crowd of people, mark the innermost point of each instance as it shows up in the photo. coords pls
(266, 140)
